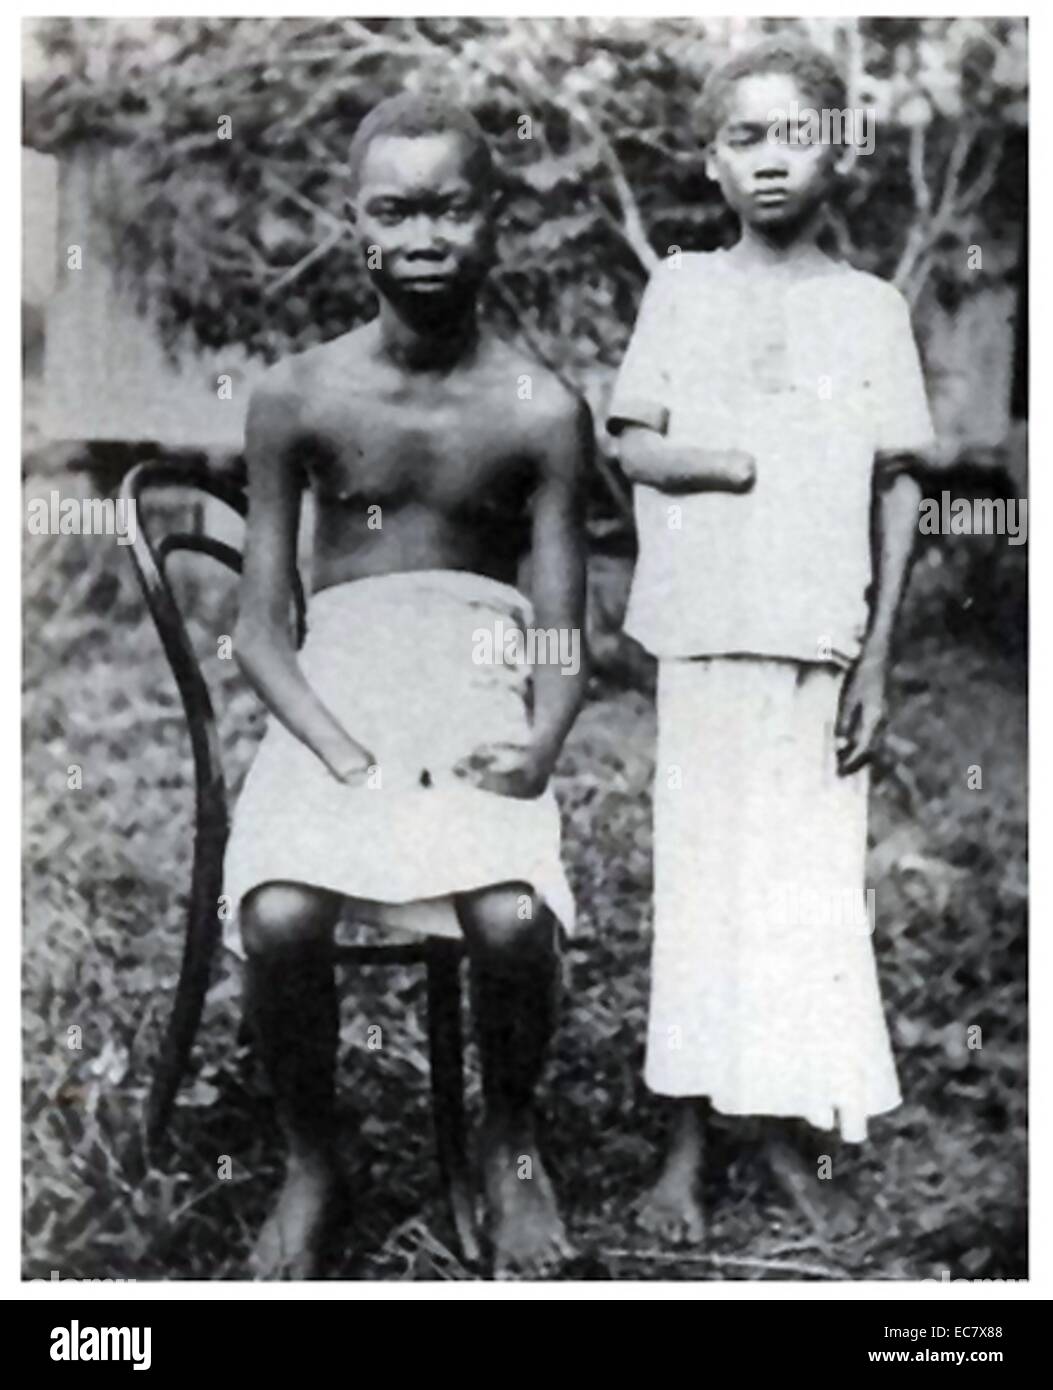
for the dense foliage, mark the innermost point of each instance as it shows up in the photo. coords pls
(245, 239)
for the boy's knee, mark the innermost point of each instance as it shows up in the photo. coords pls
(506, 921)
(282, 916)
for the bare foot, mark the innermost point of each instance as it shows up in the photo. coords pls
(828, 1208)
(526, 1229)
(291, 1241)
(672, 1210)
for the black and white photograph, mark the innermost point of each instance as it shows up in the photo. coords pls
(525, 651)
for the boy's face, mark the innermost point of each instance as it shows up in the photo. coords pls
(424, 219)
(770, 180)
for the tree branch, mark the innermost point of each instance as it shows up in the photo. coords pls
(295, 271)
(632, 226)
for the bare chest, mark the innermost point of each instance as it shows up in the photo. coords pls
(448, 454)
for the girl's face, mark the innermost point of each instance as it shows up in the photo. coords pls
(772, 167)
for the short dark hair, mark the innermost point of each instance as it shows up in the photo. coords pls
(409, 116)
(815, 70)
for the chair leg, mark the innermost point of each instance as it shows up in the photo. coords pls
(203, 929)
(447, 1088)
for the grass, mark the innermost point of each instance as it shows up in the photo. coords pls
(942, 1180)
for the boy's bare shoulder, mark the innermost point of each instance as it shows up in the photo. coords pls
(276, 405)
(545, 402)
(273, 417)
(291, 377)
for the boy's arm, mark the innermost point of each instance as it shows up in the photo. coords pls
(647, 457)
(558, 592)
(863, 695)
(558, 573)
(263, 642)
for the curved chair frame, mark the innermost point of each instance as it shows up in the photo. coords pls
(442, 959)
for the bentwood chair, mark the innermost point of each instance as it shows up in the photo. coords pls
(441, 959)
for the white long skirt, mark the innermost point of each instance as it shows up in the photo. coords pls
(394, 658)
(764, 991)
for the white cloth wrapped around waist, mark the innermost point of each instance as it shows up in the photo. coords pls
(396, 658)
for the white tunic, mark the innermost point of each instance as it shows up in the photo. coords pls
(812, 376)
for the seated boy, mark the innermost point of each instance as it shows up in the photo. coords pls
(765, 407)
(397, 771)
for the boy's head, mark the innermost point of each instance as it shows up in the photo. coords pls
(767, 117)
(422, 197)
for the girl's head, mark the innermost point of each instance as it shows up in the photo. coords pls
(770, 121)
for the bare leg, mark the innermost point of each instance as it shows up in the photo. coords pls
(823, 1200)
(672, 1210)
(292, 1007)
(514, 979)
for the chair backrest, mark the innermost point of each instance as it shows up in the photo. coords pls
(150, 557)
